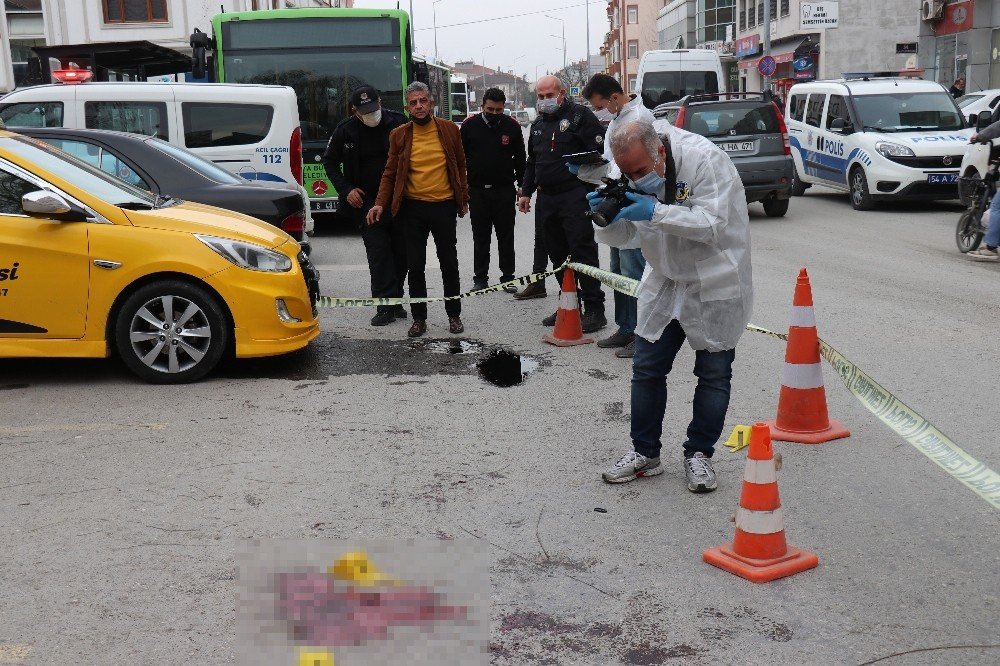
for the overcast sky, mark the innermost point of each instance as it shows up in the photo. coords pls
(527, 33)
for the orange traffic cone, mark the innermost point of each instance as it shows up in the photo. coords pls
(568, 330)
(759, 552)
(802, 412)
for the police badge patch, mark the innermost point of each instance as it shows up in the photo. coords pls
(563, 125)
(599, 139)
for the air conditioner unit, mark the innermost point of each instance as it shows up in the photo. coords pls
(932, 10)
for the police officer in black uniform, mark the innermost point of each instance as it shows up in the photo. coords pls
(354, 160)
(564, 127)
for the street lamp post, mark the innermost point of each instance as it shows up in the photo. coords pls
(556, 18)
(513, 77)
(484, 66)
(434, 13)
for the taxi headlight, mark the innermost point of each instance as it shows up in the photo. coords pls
(888, 149)
(247, 255)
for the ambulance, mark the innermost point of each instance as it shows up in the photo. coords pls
(878, 137)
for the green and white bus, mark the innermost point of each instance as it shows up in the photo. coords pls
(324, 55)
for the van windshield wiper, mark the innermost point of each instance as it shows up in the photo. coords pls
(870, 128)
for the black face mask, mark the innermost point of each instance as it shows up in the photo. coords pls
(422, 121)
(493, 118)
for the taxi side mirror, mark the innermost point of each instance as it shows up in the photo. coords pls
(50, 205)
(984, 120)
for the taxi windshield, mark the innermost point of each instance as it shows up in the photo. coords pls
(79, 173)
(908, 112)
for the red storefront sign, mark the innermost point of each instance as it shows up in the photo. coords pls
(780, 58)
(957, 18)
(746, 45)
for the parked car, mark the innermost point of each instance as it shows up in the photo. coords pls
(95, 267)
(750, 129)
(972, 104)
(977, 155)
(525, 116)
(165, 169)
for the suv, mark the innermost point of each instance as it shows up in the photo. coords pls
(750, 129)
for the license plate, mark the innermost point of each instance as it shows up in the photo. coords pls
(942, 178)
(330, 204)
(737, 146)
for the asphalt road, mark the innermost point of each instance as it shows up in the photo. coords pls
(122, 505)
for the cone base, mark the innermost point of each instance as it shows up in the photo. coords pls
(761, 571)
(560, 342)
(835, 431)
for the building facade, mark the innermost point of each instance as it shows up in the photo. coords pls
(962, 40)
(870, 36)
(167, 23)
(676, 25)
(632, 32)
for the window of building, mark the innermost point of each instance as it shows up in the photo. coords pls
(633, 49)
(632, 14)
(219, 124)
(814, 109)
(631, 84)
(135, 11)
(26, 28)
(147, 118)
(785, 11)
(752, 13)
(713, 17)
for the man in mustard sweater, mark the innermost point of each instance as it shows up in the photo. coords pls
(424, 182)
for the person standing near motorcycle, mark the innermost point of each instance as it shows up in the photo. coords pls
(991, 240)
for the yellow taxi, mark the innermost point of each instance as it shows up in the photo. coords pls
(91, 266)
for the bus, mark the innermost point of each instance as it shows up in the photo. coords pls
(323, 54)
(438, 79)
(459, 97)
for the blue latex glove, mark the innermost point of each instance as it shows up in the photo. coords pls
(594, 199)
(573, 168)
(642, 209)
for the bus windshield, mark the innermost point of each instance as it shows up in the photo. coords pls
(459, 101)
(669, 86)
(323, 59)
(908, 112)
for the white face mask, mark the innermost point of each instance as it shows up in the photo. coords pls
(372, 119)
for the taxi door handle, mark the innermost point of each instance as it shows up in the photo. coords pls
(107, 264)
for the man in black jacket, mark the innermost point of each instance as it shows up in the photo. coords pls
(494, 153)
(354, 160)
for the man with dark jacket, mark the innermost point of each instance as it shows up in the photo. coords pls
(424, 186)
(354, 160)
(494, 151)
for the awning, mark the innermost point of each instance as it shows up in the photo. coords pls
(780, 52)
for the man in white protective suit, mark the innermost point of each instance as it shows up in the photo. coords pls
(692, 225)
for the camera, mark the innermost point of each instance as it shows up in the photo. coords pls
(613, 191)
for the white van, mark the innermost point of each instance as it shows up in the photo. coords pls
(878, 138)
(251, 131)
(525, 117)
(667, 76)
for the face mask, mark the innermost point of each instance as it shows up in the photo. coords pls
(422, 121)
(372, 119)
(650, 183)
(493, 118)
(547, 105)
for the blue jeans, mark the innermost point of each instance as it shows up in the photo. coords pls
(650, 367)
(629, 263)
(992, 229)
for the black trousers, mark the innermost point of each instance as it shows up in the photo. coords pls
(492, 210)
(569, 233)
(540, 261)
(385, 246)
(439, 219)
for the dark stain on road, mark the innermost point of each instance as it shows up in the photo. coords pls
(645, 654)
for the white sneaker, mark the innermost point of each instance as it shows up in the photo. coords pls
(699, 472)
(631, 466)
(983, 253)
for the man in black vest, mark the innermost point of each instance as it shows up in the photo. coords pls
(354, 160)
(494, 153)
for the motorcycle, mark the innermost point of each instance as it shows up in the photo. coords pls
(979, 192)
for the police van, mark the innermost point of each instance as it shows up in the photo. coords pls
(251, 131)
(877, 137)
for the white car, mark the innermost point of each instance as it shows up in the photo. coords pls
(977, 157)
(877, 138)
(984, 100)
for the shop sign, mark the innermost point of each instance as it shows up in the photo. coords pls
(745, 46)
(957, 18)
(819, 15)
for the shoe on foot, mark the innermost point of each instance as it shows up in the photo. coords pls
(628, 351)
(455, 325)
(615, 340)
(550, 320)
(631, 466)
(699, 472)
(510, 288)
(593, 321)
(383, 317)
(418, 328)
(480, 284)
(983, 253)
(399, 312)
(533, 290)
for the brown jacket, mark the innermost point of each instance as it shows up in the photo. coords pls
(397, 167)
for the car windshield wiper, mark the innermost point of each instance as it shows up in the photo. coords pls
(135, 205)
(870, 128)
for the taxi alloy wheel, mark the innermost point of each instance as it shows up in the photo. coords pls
(861, 198)
(171, 332)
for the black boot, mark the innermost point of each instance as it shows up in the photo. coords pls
(383, 316)
(398, 311)
(593, 320)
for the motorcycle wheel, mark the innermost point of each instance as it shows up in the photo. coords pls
(967, 234)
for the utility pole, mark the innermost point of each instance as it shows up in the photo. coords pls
(484, 66)
(435, 14)
(514, 78)
(767, 39)
(413, 37)
(586, 7)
